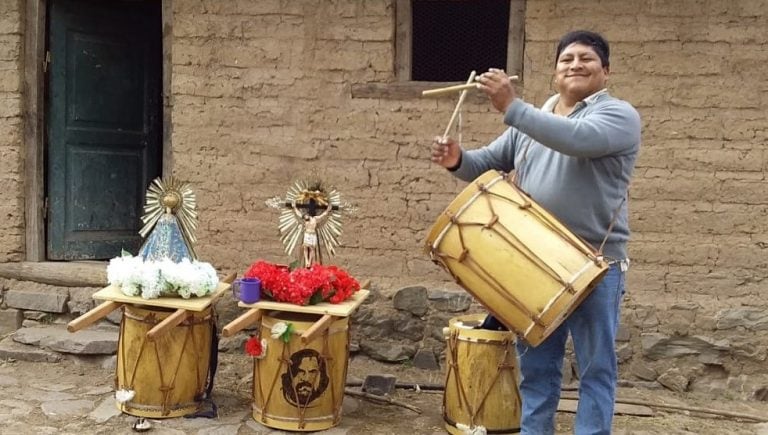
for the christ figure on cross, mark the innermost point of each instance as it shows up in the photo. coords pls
(310, 246)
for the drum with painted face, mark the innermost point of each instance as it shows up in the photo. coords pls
(300, 386)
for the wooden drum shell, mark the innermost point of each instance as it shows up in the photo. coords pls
(481, 384)
(274, 393)
(514, 257)
(169, 374)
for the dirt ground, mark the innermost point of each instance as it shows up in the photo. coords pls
(25, 387)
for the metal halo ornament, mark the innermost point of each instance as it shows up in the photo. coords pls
(169, 196)
(313, 197)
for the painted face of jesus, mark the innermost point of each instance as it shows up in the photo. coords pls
(307, 378)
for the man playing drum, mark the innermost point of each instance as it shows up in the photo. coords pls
(575, 157)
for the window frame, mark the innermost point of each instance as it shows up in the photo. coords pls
(404, 39)
(403, 88)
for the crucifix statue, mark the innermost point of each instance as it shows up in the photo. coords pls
(309, 246)
(310, 216)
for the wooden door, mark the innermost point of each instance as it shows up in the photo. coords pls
(104, 132)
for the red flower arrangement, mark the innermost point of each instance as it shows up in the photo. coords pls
(303, 286)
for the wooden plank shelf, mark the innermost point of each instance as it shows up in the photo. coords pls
(113, 293)
(343, 309)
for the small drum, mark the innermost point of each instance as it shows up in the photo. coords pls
(518, 260)
(168, 375)
(481, 380)
(300, 386)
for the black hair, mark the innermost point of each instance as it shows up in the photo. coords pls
(592, 39)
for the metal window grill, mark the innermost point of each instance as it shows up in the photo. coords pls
(453, 37)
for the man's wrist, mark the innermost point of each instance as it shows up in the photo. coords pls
(457, 165)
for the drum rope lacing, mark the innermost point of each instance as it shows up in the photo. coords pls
(164, 388)
(329, 368)
(454, 369)
(509, 237)
(286, 361)
(283, 360)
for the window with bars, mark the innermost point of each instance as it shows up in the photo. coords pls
(453, 37)
(444, 40)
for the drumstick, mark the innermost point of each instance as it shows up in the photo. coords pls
(245, 320)
(458, 105)
(456, 88)
(93, 316)
(169, 322)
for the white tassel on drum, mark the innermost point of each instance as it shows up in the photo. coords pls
(124, 395)
(475, 430)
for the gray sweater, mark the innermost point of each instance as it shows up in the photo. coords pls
(577, 167)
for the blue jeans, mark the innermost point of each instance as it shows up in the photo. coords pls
(593, 328)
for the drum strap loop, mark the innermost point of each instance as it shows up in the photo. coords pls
(611, 224)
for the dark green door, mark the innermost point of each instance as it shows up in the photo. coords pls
(104, 124)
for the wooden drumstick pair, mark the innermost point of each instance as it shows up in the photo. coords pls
(462, 96)
(457, 88)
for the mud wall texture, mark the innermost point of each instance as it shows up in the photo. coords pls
(264, 92)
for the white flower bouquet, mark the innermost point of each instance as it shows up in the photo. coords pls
(152, 279)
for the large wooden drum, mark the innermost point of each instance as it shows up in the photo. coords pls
(481, 379)
(169, 374)
(518, 260)
(300, 386)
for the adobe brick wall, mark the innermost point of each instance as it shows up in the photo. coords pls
(11, 128)
(262, 94)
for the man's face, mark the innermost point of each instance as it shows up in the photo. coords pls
(580, 72)
(307, 378)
